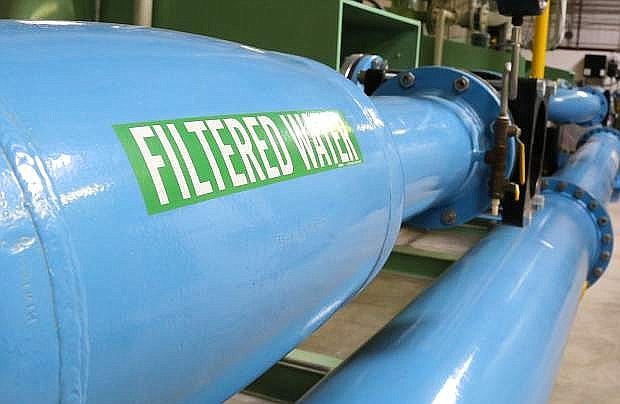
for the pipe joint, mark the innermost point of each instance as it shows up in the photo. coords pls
(598, 131)
(598, 214)
(478, 106)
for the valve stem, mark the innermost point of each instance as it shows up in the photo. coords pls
(496, 157)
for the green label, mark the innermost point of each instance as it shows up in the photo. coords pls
(180, 162)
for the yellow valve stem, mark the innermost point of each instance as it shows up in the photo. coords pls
(541, 32)
(517, 192)
(521, 147)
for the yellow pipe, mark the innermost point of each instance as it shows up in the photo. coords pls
(540, 44)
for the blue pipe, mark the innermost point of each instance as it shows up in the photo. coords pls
(139, 265)
(493, 328)
(585, 106)
(432, 118)
(449, 137)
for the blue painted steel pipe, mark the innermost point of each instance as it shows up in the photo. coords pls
(585, 106)
(493, 328)
(177, 212)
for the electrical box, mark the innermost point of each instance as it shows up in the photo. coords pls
(595, 66)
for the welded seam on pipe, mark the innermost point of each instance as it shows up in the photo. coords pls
(66, 287)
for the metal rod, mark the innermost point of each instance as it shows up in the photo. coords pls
(516, 60)
(143, 12)
(440, 32)
(579, 17)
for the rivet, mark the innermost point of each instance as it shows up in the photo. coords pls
(593, 205)
(598, 271)
(449, 217)
(602, 221)
(579, 193)
(606, 255)
(607, 238)
(461, 84)
(562, 186)
(407, 80)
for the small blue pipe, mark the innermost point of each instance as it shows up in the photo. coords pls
(585, 106)
(493, 328)
(423, 129)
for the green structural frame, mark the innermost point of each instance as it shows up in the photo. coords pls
(289, 26)
(326, 30)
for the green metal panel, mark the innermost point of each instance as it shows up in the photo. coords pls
(120, 11)
(301, 27)
(553, 73)
(370, 30)
(293, 376)
(48, 9)
(314, 29)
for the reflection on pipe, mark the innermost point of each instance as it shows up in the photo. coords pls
(493, 328)
(586, 106)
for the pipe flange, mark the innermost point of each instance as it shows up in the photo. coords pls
(595, 131)
(482, 102)
(599, 215)
(603, 110)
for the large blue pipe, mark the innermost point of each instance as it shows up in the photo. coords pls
(585, 106)
(177, 212)
(493, 329)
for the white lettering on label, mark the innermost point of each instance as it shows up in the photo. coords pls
(215, 125)
(153, 162)
(199, 128)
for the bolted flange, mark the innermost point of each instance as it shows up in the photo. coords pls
(466, 92)
(599, 217)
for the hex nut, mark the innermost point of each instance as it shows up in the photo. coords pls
(461, 84)
(407, 80)
(449, 217)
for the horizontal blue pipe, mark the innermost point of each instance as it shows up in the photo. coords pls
(106, 301)
(493, 328)
(424, 128)
(585, 106)
(594, 168)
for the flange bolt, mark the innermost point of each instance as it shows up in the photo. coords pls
(407, 80)
(449, 217)
(461, 84)
(579, 193)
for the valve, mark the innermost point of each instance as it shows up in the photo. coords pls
(496, 157)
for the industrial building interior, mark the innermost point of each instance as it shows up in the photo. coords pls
(327, 201)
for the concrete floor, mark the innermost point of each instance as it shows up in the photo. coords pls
(590, 369)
